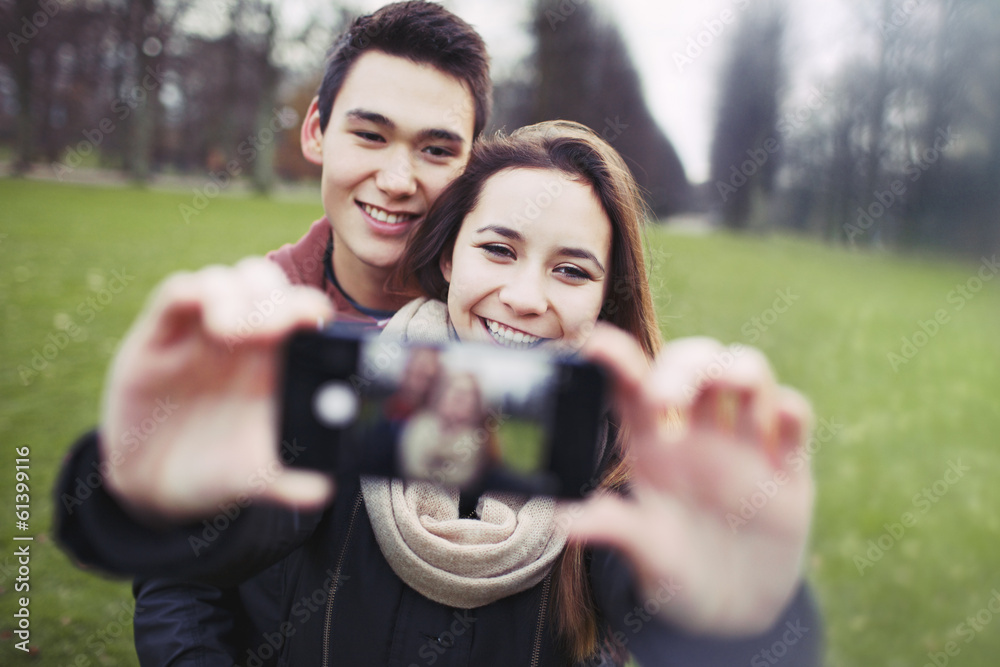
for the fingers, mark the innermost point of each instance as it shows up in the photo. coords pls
(250, 302)
(723, 390)
(719, 390)
(684, 365)
(795, 422)
(605, 519)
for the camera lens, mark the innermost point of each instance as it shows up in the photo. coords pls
(335, 404)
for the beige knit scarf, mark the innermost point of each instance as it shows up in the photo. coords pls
(461, 563)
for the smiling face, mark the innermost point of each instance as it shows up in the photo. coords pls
(530, 262)
(458, 404)
(399, 132)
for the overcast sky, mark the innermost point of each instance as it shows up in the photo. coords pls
(681, 96)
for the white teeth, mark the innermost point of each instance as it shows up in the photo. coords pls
(509, 337)
(384, 216)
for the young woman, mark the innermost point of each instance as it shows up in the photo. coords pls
(526, 249)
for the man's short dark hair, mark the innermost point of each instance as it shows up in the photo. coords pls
(422, 32)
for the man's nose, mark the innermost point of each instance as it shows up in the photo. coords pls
(397, 178)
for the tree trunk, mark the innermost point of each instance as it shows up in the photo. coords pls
(143, 125)
(263, 167)
(25, 90)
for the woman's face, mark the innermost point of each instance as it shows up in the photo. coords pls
(458, 403)
(530, 262)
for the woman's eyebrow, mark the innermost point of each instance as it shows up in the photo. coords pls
(580, 253)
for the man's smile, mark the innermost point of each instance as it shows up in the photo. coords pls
(386, 216)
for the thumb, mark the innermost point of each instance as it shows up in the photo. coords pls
(603, 519)
(647, 531)
(620, 354)
(300, 489)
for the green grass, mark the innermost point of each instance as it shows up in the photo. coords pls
(894, 433)
(521, 441)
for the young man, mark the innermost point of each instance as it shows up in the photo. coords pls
(405, 92)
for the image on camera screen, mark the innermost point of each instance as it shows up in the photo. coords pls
(461, 416)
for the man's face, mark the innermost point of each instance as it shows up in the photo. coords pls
(399, 133)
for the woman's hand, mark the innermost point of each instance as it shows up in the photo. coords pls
(189, 420)
(720, 506)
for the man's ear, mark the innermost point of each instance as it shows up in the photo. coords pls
(311, 137)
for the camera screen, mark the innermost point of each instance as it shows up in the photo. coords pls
(457, 416)
(470, 415)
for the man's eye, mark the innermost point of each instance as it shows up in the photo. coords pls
(439, 151)
(498, 250)
(369, 136)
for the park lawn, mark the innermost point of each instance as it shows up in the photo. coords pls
(889, 433)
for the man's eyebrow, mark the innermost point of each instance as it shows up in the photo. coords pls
(371, 117)
(567, 251)
(505, 232)
(439, 134)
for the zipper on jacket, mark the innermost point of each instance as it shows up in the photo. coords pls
(537, 650)
(336, 581)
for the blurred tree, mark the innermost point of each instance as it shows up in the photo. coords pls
(16, 53)
(746, 146)
(956, 201)
(583, 72)
(147, 37)
(880, 88)
(288, 162)
(907, 153)
(263, 47)
(144, 84)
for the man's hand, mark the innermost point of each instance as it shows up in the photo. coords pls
(189, 420)
(708, 429)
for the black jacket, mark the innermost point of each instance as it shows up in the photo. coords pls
(339, 603)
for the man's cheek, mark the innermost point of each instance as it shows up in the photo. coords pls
(435, 188)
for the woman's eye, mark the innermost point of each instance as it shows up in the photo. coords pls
(497, 250)
(574, 272)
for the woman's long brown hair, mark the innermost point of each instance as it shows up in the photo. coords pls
(580, 153)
